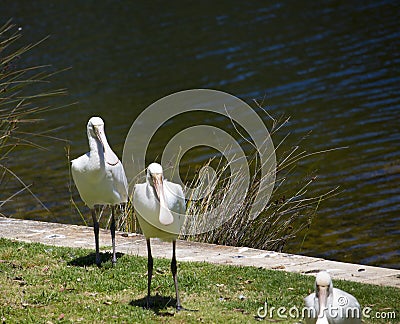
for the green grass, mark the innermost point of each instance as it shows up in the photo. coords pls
(46, 284)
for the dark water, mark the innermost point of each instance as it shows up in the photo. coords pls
(333, 66)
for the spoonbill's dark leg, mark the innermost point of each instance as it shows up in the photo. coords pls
(96, 236)
(112, 227)
(174, 275)
(149, 271)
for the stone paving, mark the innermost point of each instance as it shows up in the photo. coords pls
(135, 244)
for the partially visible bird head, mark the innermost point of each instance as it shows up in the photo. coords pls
(154, 174)
(154, 169)
(323, 279)
(95, 127)
(155, 179)
(95, 131)
(323, 284)
(95, 121)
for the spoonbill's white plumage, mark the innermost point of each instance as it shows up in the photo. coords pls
(331, 305)
(100, 178)
(160, 207)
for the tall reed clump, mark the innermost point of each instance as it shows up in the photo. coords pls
(21, 101)
(288, 212)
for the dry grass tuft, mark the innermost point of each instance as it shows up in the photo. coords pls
(289, 210)
(21, 102)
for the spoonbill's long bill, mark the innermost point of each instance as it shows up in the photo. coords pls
(331, 305)
(100, 178)
(160, 207)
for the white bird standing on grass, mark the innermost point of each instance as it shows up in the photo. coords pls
(100, 178)
(330, 305)
(160, 207)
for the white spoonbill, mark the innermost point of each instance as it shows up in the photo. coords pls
(100, 178)
(160, 207)
(331, 305)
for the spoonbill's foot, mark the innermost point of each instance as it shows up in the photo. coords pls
(98, 261)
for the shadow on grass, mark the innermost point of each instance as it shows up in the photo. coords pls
(90, 259)
(158, 304)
